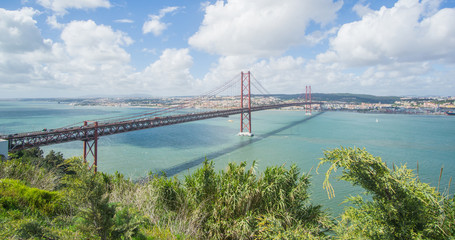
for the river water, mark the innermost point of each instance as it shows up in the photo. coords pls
(281, 137)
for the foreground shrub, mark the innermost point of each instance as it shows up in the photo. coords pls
(402, 207)
(272, 228)
(16, 195)
(96, 216)
(229, 204)
(235, 203)
(33, 175)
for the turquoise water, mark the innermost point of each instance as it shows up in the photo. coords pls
(281, 137)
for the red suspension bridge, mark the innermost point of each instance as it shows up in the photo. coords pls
(90, 131)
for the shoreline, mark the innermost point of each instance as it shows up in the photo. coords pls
(365, 111)
(406, 111)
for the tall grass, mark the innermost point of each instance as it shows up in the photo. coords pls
(33, 175)
(231, 204)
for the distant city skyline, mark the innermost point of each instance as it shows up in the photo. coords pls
(63, 48)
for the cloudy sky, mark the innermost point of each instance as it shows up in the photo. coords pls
(68, 48)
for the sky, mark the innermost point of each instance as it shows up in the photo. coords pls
(79, 48)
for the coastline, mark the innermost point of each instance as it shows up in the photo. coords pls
(377, 108)
(366, 111)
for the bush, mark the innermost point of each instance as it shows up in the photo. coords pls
(29, 229)
(16, 195)
(228, 204)
(30, 166)
(89, 194)
(96, 215)
(235, 203)
(402, 207)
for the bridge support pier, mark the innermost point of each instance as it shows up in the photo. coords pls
(91, 147)
(245, 105)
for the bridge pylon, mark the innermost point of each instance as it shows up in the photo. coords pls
(91, 146)
(245, 104)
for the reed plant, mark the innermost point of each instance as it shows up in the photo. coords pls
(401, 206)
(230, 204)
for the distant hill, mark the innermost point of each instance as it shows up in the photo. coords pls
(348, 97)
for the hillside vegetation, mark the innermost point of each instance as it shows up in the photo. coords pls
(55, 198)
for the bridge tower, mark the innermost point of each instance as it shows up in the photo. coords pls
(91, 146)
(308, 99)
(245, 104)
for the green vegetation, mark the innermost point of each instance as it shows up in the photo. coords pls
(402, 207)
(54, 198)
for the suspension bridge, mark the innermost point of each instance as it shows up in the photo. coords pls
(90, 131)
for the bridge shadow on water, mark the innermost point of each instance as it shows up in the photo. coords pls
(195, 162)
(201, 135)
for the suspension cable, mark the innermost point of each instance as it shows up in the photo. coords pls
(186, 104)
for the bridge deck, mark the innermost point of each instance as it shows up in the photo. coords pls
(61, 135)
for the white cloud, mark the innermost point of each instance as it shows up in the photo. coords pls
(390, 51)
(60, 6)
(277, 75)
(406, 49)
(22, 49)
(124, 20)
(289, 74)
(90, 56)
(257, 27)
(169, 75)
(393, 51)
(167, 10)
(52, 21)
(361, 9)
(318, 36)
(418, 78)
(148, 50)
(90, 59)
(18, 31)
(95, 43)
(404, 33)
(397, 74)
(154, 24)
(281, 75)
(224, 70)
